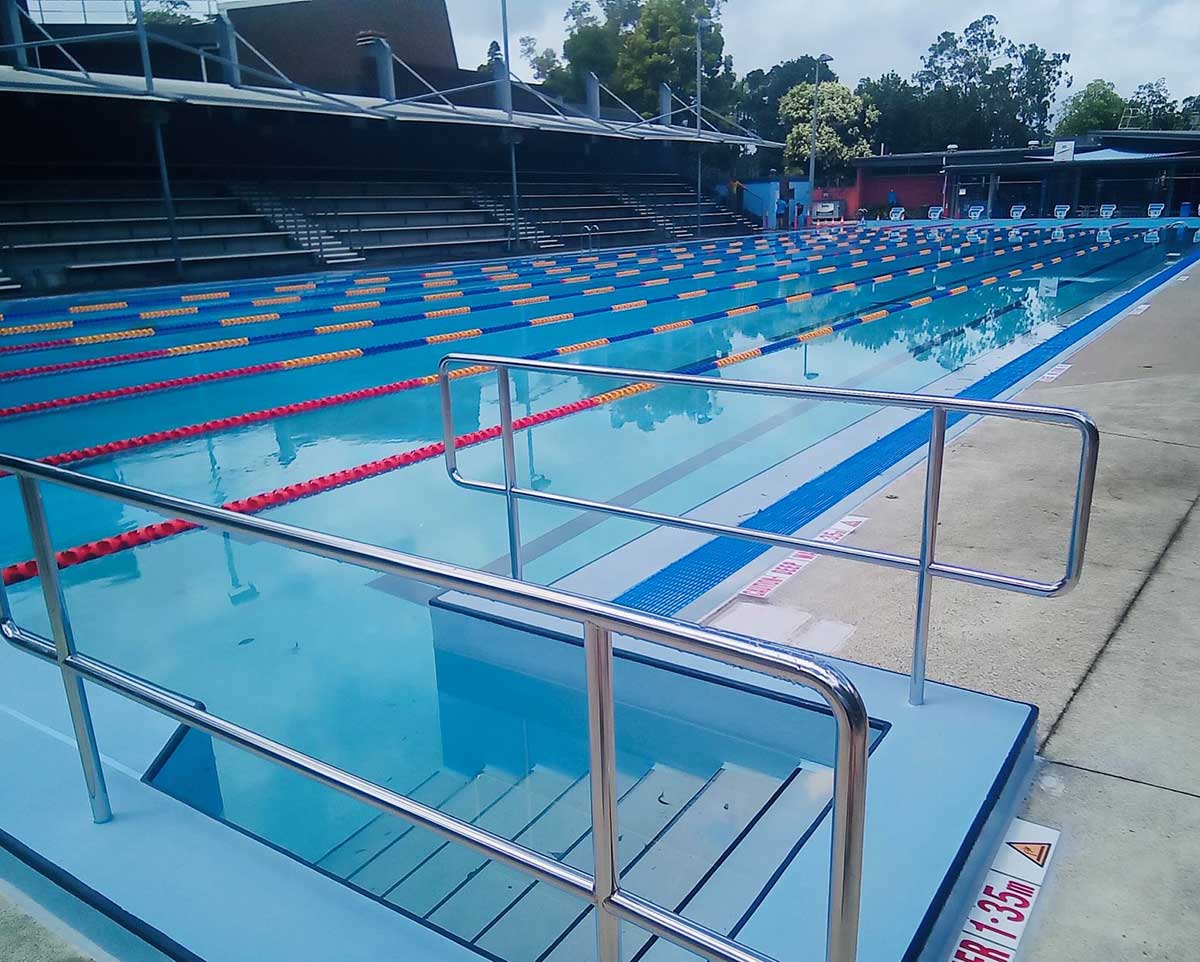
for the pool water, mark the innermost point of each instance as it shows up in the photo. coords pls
(341, 663)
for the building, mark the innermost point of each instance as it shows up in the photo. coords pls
(1130, 169)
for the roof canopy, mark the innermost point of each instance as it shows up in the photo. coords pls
(302, 100)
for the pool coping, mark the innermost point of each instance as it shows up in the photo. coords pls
(646, 559)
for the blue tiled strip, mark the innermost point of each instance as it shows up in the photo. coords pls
(683, 581)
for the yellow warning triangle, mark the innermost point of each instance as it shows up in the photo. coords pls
(1036, 852)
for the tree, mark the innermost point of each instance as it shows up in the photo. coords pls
(1097, 106)
(545, 62)
(1003, 91)
(844, 126)
(661, 48)
(1153, 109)
(903, 119)
(168, 13)
(494, 56)
(759, 92)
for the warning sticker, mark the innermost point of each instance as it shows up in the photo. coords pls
(997, 918)
(765, 584)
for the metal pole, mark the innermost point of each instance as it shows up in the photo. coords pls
(933, 491)
(597, 644)
(510, 471)
(14, 32)
(168, 199)
(64, 648)
(143, 45)
(699, 86)
(516, 197)
(507, 61)
(812, 149)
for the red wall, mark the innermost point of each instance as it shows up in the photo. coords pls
(912, 190)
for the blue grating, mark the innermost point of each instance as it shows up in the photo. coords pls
(672, 588)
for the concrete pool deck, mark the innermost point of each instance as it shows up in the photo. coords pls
(1114, 665)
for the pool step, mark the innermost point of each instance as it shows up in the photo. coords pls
(380, 869)
(483, 896)
(675, 863)
(429, 882)
(725, 896)
(674, 827)
(378, 833)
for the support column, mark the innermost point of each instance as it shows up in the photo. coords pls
(11, 30)
(664, 104)
(593, 95)
(512, 138)
(227, 39)
(993, 184)
(380, 53)
(143, 45)
(503, 86)
(158, 120)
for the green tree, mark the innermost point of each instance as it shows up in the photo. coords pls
(1003, 91)
(1153, 108)
(661, 48)
(844, 125)
(545, 63)
(1097, 106)
(168, 13)
(759, 92)
(494, 55)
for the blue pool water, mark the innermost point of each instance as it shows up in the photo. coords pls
(343, 664)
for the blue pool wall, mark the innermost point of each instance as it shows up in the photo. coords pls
(534, 667)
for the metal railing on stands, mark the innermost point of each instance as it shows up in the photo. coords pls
(109, 11)
(925, 565)
(600, 619)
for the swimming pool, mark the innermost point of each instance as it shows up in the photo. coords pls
(343, 665)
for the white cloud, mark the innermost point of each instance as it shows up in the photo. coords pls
(1125, 41)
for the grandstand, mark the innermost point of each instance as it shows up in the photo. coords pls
(374, 147)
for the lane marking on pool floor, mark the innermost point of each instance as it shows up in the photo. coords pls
(171, 331)
(24, 571)
(763, 249)
(269, 367)
(238, 420)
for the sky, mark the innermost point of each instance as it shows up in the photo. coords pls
(1126, 41)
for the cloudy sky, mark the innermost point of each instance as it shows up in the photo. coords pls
(1125, 41)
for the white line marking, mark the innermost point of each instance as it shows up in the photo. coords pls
(66, 740)
(1055, 373)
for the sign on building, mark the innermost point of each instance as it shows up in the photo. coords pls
(1064, 150)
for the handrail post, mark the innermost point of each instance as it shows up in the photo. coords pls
(929, 523)
(144, 45)
(510, 472)
(597, 645)
(64, 648)
(849, 814)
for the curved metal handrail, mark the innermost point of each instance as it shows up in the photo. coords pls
(600, 620)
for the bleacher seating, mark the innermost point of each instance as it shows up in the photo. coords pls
(72, 234)
(615, 211)
(396, 221)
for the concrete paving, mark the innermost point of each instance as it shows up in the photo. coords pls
(24, 939)
(1114, 665)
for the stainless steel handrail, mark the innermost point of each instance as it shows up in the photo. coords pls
(924, 565)
(600, 620)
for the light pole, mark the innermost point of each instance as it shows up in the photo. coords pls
(510, 134)
(812, 150)
(701, 23)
